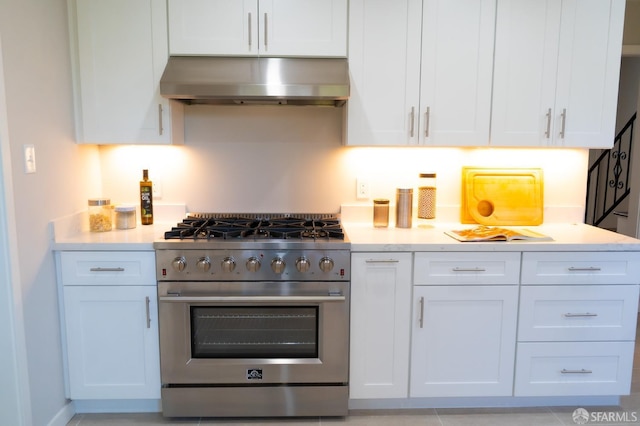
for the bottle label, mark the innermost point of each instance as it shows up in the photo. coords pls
(146, 205)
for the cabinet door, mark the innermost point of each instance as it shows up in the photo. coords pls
(258, 27)
(556, 72)
(384, 62)
(380, 325)
(457, 69)
(213, 27)
(524, 81)
(588, 73)
(112, 342)
(463, 341)
(121, 48)
(303, 27)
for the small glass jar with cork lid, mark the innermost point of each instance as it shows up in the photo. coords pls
(100, 214)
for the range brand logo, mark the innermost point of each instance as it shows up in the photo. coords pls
(254, 374)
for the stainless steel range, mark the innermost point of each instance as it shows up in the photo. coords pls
(254, 316)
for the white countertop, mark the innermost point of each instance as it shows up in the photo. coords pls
(71, 233)
(566, 237)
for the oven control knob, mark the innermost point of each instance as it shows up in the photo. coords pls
(303, 264)
(228, 264)
(253, 264)
(326, 264)
(179, 263)
(278, 264)
(204, 264)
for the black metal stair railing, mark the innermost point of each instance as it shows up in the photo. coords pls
(608, 178)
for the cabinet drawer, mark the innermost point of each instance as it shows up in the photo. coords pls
(107, 267)
(581, 268)
(566, 369)
(466, 268)
(574, 313)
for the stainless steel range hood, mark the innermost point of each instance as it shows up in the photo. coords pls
(241, 80)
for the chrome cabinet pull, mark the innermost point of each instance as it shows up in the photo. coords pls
(266, 40)
(547, 134)
(574, 315)
(581, 371)
(564, 121)
(98, 269)
(458, 269)
(250, 32)
(413, 113)
(421, 320)
(160, 127)
(147, 301)
(427, 122)
(587, 269)
(382, 261)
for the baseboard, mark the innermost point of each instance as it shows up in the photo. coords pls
(118, 406)
(63, 416)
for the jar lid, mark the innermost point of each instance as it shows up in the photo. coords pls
(125, 208)
(380, 201)
(404, 190)
(427, 175)
(99, 201)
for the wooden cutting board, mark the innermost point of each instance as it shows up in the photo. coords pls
(502, 196)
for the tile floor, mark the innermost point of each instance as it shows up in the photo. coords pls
(537, 416)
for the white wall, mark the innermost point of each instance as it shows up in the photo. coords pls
(39, 112)
(273, 159)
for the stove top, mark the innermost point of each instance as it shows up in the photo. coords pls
(232, 231)
(211, 226)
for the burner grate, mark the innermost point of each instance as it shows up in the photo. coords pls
(210, 226)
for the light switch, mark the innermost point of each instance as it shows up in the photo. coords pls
(29, 158)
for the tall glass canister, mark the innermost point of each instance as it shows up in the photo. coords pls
(426, 197)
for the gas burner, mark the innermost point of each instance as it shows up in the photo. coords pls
(210, 226)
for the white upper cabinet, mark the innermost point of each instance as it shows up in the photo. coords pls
(119, 50)
(457, 67)
(258, 27)
(426, 78)
(556, 72)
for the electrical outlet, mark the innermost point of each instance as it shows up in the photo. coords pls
(156, 189)
(362, 189)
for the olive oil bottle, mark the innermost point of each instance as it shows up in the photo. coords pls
(146, 199)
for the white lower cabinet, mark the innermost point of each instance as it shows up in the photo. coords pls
(577, 323)
(574, 368)
(463, 341)
(111, 342)
(380, 325)
(110, 325)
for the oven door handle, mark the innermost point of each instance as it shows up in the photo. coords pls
(290, 299)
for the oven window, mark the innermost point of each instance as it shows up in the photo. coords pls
(246, 332)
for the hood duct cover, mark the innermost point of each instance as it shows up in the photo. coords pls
(242, 80)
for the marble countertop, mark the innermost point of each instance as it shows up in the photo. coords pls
(566, 237)
(71, 233)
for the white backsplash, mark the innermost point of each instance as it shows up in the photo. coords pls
(271, 159)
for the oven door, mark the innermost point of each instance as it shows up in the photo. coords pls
(254, 332)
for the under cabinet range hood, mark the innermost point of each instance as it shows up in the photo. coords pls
(256, 80)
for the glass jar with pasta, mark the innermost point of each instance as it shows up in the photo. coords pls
(100, 215)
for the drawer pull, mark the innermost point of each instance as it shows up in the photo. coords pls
(382, 261)
(147, 301)
(458, 269)
(587, 269)
(581, 371)
(98, 269)
(574, 315)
